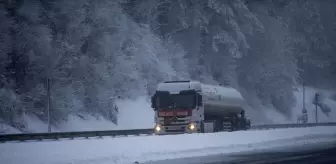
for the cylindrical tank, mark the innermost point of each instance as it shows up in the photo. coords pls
(219, 100)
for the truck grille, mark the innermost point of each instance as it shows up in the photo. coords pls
(175, 129)
(174, 120)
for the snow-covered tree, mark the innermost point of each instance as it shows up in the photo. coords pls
(98, 51)
(271, 66)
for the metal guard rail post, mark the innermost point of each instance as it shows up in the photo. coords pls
(113, 133)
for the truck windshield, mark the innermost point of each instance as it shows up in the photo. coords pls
(176, 101)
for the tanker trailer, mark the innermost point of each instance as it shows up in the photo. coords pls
(193, 107)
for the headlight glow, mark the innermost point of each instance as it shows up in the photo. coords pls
(158, 128)
(192, 126)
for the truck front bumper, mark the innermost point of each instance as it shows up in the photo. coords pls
(176, 129)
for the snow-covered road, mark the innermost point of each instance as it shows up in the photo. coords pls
(146, 148)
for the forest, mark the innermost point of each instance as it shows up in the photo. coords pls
(97, 51)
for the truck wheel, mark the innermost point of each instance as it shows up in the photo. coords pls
(227, 127)
(202, 127)
(232, 129)
(233, 125)
(248, 126)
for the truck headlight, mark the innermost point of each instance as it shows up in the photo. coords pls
(158, 128)
(192, 126)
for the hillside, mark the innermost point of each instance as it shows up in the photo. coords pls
(97, 54)
(137, 114)
(323, 115)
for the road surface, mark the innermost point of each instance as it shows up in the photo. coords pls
(306, 154)
(313, 156)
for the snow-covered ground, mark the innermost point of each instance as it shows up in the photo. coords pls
(135, 114)
(149, 148)
(276, 117)
(309, 96)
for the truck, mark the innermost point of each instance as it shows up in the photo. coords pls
(194, 107)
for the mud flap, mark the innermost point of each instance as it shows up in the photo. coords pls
(227, 126)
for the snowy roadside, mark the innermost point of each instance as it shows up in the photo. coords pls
(134, 114)
(137, 114)
(281, 146)
(148, 148)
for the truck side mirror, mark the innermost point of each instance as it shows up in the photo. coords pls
(199, 100)
(153, 105)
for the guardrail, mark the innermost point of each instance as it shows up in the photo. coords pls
(71, 135)
(113, 133)
(279, 126)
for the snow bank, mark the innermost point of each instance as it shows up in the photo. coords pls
(135, 114)
(145, 148)
(5, 129)
(265, 115)
(176, 87)
(275, 117)
(90, 123)
(31, 124)
(271, 115)
(309, 96)
(35, 125)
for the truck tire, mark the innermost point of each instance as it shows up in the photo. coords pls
(227, 126)
(248, 126)
(233, 127)
(202, 127)
(234, 124)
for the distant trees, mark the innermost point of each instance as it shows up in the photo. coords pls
(96, 52)
(92, 52)
(256, 46)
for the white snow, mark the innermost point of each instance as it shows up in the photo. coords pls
(309, 96)
(146, 148)
(207, 89)
(5, 129)
(135, 114)
(273, 116)
(90, 123)
(33, 124)
(176, 87)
